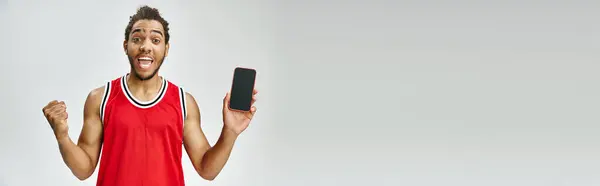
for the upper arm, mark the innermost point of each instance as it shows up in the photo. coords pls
(194, 139)
(90, 138)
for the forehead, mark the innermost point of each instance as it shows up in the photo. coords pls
(147, 26)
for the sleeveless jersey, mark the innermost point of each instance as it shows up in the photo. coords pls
(142, 140)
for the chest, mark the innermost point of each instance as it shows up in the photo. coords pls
(162, 117)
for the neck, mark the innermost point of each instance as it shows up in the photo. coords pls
(136, 84)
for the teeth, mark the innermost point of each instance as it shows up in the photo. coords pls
(145, 58)
(145, 62)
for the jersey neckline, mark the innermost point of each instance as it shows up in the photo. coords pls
(143, 104)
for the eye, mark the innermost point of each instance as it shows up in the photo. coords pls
(156, 40)
(135, 39)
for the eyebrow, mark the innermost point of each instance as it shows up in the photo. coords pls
(159, 32)
(140, 30)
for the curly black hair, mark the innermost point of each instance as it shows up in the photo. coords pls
(149, 13)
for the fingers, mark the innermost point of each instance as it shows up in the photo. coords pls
(64, 115)
(52, 104)
(253, 108)
(55, 107)
(253, 100)
(254, 92)
(55, 110)
(49, 105)
(250, 114)
(60, 115)
(59, 112)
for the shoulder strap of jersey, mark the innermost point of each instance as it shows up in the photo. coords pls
(182, 101)
(105, 97)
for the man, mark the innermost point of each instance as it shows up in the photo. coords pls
(141, 120)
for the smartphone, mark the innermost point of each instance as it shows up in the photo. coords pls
(242, 89)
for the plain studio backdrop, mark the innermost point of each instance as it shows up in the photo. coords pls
(420, 93)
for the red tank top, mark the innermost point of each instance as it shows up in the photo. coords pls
(142, 142)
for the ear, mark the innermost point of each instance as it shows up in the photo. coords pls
(167, 49)
(125, 46)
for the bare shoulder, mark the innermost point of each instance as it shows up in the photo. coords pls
(189, 97)
(97, 92)
(94, 98)
(191, 104)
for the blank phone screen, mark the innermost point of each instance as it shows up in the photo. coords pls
(242, 88)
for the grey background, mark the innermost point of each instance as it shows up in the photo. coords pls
(417, 93)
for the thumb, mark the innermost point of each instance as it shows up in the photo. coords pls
(226, 101)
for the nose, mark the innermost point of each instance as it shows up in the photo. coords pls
(145, 47)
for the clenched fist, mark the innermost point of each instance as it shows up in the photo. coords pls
(56, 114)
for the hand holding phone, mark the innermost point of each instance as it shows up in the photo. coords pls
(238, 109)
(242, 89)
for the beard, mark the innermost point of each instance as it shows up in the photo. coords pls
(139, 76)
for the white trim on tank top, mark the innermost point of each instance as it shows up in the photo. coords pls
(143, 104)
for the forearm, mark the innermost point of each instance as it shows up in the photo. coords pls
(75, 158)
(216, 157)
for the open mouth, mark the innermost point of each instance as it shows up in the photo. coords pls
(144, 62)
